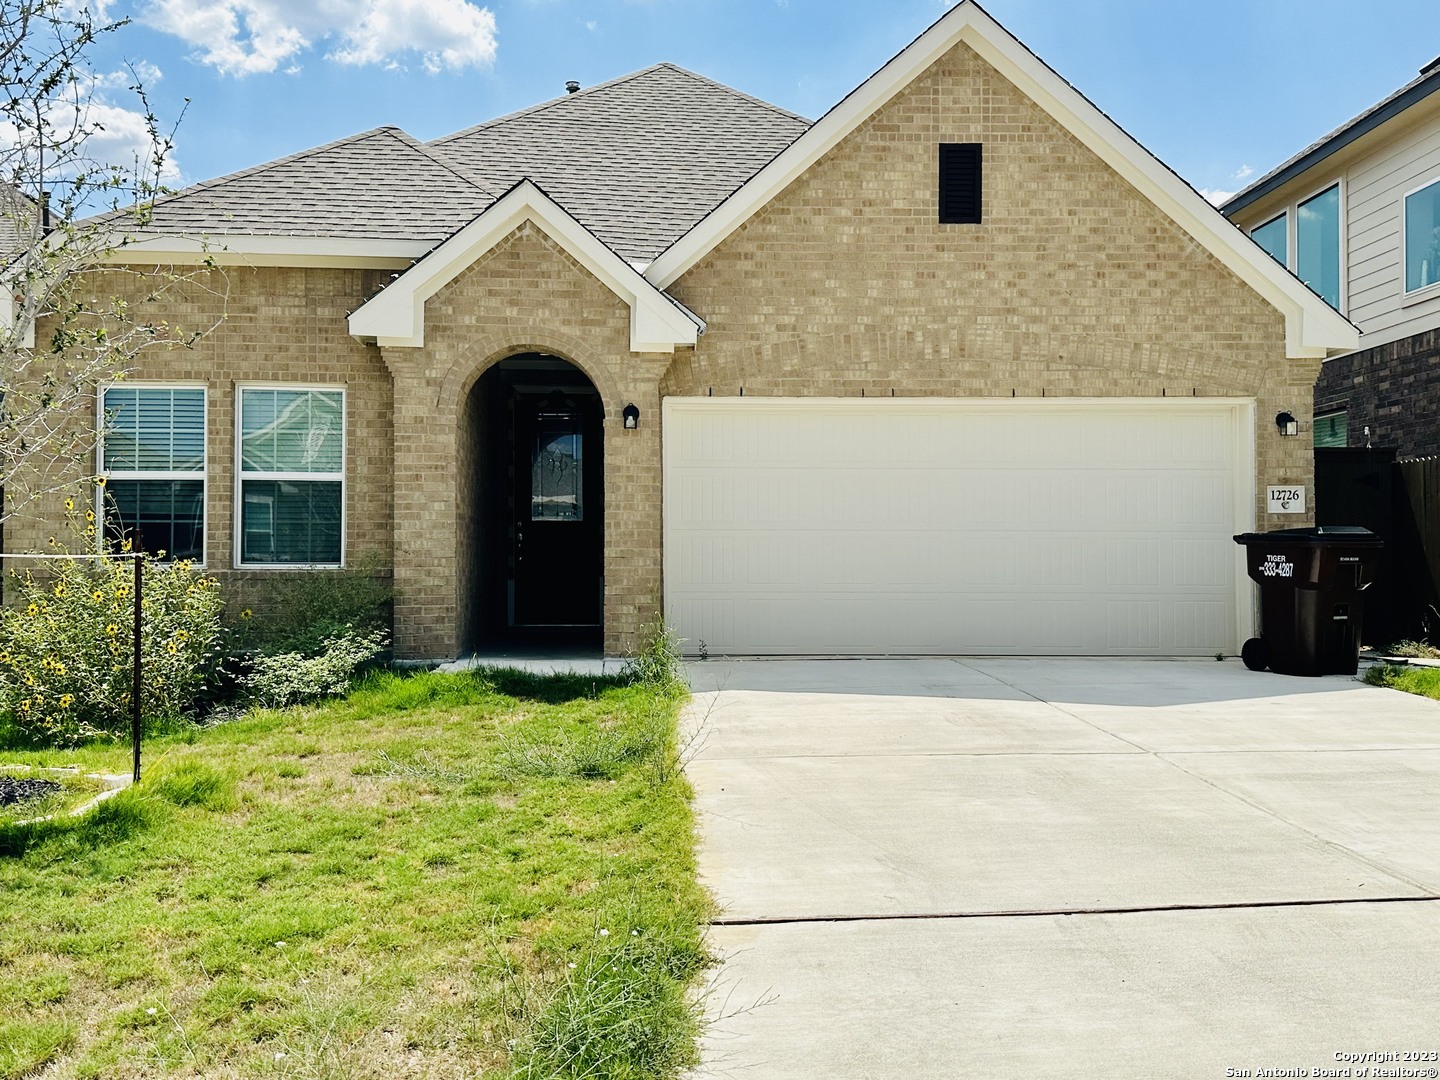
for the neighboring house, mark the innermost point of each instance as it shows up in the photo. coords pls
(959, 368)
(1357, 216)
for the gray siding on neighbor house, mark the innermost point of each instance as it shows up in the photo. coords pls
(1375, 188)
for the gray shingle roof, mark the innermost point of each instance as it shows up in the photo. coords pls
(18, 225)
(638, 160)
(380, 184)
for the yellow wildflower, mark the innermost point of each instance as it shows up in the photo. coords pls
(100, 481)
(172, 648)
(89, 515)
(111, 628)
(59, 588)
(69, 504)
(98, 594)
(65, 700)
(32, 610)
(125, 545)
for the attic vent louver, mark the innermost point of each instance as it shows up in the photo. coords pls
(572, 87)
(960, 183)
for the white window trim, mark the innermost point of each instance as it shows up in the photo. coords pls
(151, 474)
(1291, 212)
(240, 475)
(1282, 215)
(1424, 292)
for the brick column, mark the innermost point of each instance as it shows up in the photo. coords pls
(425, 522)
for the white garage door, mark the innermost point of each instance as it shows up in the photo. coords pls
(900, 526)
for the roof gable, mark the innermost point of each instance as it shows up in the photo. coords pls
(396, 316)
(1313, 329)
(639, 159)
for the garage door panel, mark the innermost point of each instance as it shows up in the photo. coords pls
(814, 527)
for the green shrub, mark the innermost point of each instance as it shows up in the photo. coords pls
(279, 679)
(66, 646)
(300, 612)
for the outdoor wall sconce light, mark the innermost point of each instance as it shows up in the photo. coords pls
(632, 417)
(1287, 424)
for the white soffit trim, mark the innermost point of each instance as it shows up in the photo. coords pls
(1313, 328)
(396, 316)
(254, 250)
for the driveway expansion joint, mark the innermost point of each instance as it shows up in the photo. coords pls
(1034, 913)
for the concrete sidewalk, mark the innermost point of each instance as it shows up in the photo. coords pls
(1068, 868)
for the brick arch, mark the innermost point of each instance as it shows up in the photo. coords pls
(485, 352)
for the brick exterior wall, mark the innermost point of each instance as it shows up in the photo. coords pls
(1393, 389)
(280, 325)
(1074, 285)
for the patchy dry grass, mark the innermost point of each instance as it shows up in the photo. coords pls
(439, 876)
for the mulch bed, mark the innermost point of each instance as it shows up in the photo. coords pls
(15, 790)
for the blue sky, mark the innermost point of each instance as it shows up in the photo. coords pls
(1213, 89)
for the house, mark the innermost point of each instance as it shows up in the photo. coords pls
(1357, 215)
(958, 368)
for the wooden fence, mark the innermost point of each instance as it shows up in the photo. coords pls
(1418, 509)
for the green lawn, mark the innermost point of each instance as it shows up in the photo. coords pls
(1414, 680)
(440, 876)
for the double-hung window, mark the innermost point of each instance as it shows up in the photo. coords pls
(291, 478)
(152, 454)
(1422, 237)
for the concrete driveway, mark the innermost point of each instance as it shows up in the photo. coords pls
(1065, 868)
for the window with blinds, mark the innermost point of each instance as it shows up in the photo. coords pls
(292, 477)
(152, 454)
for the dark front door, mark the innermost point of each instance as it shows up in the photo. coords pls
(557, 539)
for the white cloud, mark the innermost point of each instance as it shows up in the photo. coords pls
(446, 33)
(245, 37)
(1244, 172)
(1216, 196)
(121, 138)
(144, 71)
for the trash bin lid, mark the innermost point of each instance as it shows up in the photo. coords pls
(1318, 536)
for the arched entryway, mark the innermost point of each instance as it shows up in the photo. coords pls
(531, 490)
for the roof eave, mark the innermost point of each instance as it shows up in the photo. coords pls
(1327, 148)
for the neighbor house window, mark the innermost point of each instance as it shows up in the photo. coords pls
(152, 454)
(1273, 237)
(1317, 244)
(291, 476)
(1332, 429)
(1422, 237)
(1306, 239)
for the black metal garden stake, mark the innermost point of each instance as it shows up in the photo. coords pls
(135, 672)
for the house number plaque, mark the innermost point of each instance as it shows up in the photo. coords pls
(1285, 500)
